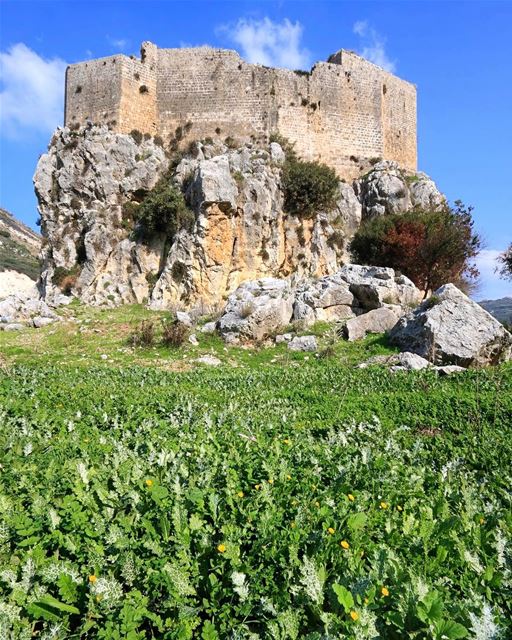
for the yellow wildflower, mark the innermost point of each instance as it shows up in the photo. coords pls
(270, 481)
(345, 544)
(240, 494)
(149, 482)
(366, 601)
(288, 477)
(384, 592)
(286, 441)
(257, 486)
(384, 505)
(354, 615)
(293, 525)
(331, 530)
(221, 548)
(317, 504)
(350, 497)
(399, 508)
(482, 520)
(92, 579)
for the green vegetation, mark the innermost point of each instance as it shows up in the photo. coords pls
(309, 187)
(277, 496)
(163, 210)
(430, 247)
(14, 256)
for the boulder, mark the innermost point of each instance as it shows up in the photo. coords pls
(284, 338)
(373, 287)
(40, 321)
(404, 361)
(451, 329)
(12, 326)
(208, 327)
(303, 343)
(375, 321)
(184, 318)
(327, 298)
(257, 309)
(211, 361)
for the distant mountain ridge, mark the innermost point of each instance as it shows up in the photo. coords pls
(501, 309)
(19, 246)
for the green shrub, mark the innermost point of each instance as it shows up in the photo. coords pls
(309, 187)
(163, 210)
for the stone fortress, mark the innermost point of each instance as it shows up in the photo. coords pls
(346, 112)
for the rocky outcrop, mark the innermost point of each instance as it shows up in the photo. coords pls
(375, 297)
(25, 309)
(90, 181)
(352, 291)
(257, 309)
(389, 189)
(451, 329)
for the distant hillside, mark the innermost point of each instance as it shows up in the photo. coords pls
(501, 309)
(19, 246)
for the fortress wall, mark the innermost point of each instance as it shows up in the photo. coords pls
(94, 91)
(138, 109)
(399, 121)
(344, 112)
(212, 89)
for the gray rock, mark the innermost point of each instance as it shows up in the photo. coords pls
(193, 340)
(212, 182)
(211, 361)
(375, 321)
(40, 321)
(208, 327)
(449, 369)
(374, 287)
(276, 153)
(387, 188)
(184, 318)
(303, 343)
(283, 338)
(257, 309)
(14, 326)
(404, 361)
(451, 329)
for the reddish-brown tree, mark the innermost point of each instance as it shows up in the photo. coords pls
(430, 247)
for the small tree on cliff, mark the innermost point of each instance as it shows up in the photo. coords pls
(505, 261)
(430, 247)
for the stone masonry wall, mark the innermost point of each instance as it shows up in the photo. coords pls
(345, 112)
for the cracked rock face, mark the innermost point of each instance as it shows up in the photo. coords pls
(451, 329)
(240, 232)
(389, 189)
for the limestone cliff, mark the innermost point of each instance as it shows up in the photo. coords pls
(240, 231)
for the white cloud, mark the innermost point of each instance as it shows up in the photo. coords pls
(373, 45)
(491, 286)
(32, 92)
(275, 44)
(118, 43)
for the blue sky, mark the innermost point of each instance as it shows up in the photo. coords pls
(459, 54)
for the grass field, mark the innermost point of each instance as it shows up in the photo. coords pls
(276, 496)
